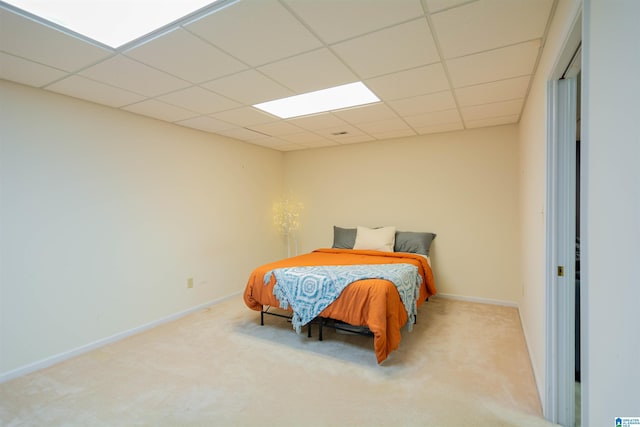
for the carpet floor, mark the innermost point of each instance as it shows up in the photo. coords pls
(464, 364)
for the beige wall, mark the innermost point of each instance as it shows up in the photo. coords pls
(532, 137)
(460, 185)
(105, 215)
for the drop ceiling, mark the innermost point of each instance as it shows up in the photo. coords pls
(436, 65)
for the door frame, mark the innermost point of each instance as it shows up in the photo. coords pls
(560, 292)
(559, 405)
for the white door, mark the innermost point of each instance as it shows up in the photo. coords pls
(562, 218)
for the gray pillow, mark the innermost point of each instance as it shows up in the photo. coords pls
(413, 242)
(344, 238)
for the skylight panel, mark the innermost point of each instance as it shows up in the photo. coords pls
(334, 98)
(111, 22)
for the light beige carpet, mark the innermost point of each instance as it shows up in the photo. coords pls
(464, 364)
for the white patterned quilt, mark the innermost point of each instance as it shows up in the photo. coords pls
(309, 290)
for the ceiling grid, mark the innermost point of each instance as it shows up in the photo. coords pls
(436, 66)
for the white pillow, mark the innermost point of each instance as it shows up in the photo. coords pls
(378, 239)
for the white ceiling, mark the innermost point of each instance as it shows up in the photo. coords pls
(437, 66)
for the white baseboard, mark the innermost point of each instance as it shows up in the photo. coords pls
(479, 300)
(49, 361)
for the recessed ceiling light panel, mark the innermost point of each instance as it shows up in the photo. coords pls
(334, 98)
(111, 22)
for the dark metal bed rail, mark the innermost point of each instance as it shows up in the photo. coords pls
(285, 316)
(322, 321)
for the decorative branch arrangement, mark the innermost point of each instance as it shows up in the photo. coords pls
(286, 217)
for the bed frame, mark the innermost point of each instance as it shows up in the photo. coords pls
(350, 306)
(325, 321)
(285, 316)
(321, 321)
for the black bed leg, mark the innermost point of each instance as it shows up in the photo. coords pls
(309, 329)
(319, 328)
(261, 318)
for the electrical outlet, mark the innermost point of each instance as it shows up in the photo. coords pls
(190, 282)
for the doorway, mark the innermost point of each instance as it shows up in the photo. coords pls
(563, 366)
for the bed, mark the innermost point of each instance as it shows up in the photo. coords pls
(374, 303)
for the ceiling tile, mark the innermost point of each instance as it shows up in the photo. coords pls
(340, 133)
(256, 32)
(496, 109)
(493, 121)
(191, 58)
(31, 40)
(400, 133)
(318, 144)
(245, 116)
(242, 134)
(27, 72)
(197, 99)
(439, 128)
(437, 5)
(336, 20)
(318, 121)
(438, 101)
(207, 124)
(393, 49)
(409, 83)
(379, 126)
(502, 90)
(515, 61)
(366, 113)
(130, 75)
(434, 118)
(249, 87)
(84, 88)
(354, 139)
(160, 110)
(489, 24)
(307, 139)
(278, 129)
(310, 71)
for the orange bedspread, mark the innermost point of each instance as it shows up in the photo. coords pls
(374, 303)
